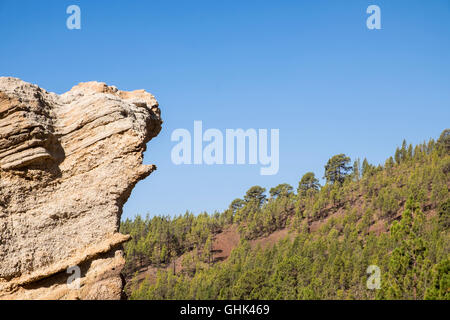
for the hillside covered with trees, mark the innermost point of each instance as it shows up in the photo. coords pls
(394, 216)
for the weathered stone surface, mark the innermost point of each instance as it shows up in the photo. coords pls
(68, 163)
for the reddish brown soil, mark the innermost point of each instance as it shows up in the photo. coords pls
(225, 242)
(378, 227)
(271, 239)
(315, 225)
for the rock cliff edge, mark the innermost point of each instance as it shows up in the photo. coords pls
(68, 164)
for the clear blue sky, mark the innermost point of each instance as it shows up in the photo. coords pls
(309, 68)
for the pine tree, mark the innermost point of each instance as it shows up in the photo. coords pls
(282, 190)
(440, 287)
(308, 183)
(337, 168)
(407, 258)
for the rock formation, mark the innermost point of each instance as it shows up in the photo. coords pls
(68, 163)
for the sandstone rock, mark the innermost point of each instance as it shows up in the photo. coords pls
(68, 163)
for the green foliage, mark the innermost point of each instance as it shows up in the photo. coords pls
(333, 239)
(156, 240)
(440, 286)
(337, 168)
(326, 265)
(237, 204)
(444, 214)
(309, 182)
(408, 265)
(255, 195)
(444, 142)
(282, 190)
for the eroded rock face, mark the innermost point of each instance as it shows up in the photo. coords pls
(68, 163)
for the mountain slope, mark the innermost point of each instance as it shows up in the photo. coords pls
(315, 244)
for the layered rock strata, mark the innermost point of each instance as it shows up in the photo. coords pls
(68, 164)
